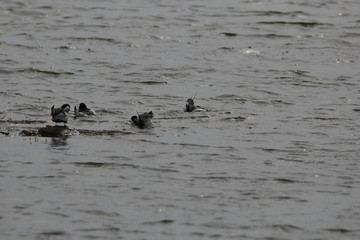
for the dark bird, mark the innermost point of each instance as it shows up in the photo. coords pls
(84, 111)
(143, 120)
(60, 114)
(190, 105)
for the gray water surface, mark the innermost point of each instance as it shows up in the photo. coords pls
(274, 155)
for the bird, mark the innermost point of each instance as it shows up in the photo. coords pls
(83, 111)
(60, 114)
(143, 120)
(190, 105)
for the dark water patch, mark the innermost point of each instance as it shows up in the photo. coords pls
(153, 82)
(97, 39)
(7, 70)
(58, 214)
(350, 34)
(160, 222)
(229, 34)
(7, 62)
(100, 213)
(148, 82)
(103, 229)
(45, 7)
(285, 180)
(17, 46)
(183, 117)
(174, 144)
(102, 132)
(330, 118)
(25, 122)
(198, 234)
(22, 206)
(279, 198)
(301, 73)
(281, 102)
(229, 96)
(64, 49)
(340, 230)
(42, 71)
(94, 164)
(44, 176)
(236, 12)
(325, 119)
(285, 227)
(164, 170)
(270, 149)
(203, 146)
(227, 48)
(272, 36)
(234, 119)
(53, 235)
(277, 13)
(302, 24)
(219, 178)
(221, 225)
(266, 36)
(105, 164)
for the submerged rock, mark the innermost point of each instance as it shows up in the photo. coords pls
(65, 131)
(5, 133)
(50, 131)
(28, 133)
(56, 131)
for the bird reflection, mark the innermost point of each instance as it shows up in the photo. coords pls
(59, 142)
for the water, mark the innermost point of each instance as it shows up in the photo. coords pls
(275, 154)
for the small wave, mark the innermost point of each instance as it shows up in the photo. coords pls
(32, 70)
(303, 24)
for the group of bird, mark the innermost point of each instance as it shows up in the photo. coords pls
(142, 121)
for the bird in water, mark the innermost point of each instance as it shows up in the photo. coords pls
(143, 120)
(60, 114)
(84, 111)
(190, 105)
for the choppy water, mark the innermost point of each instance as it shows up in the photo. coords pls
(274, 156)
